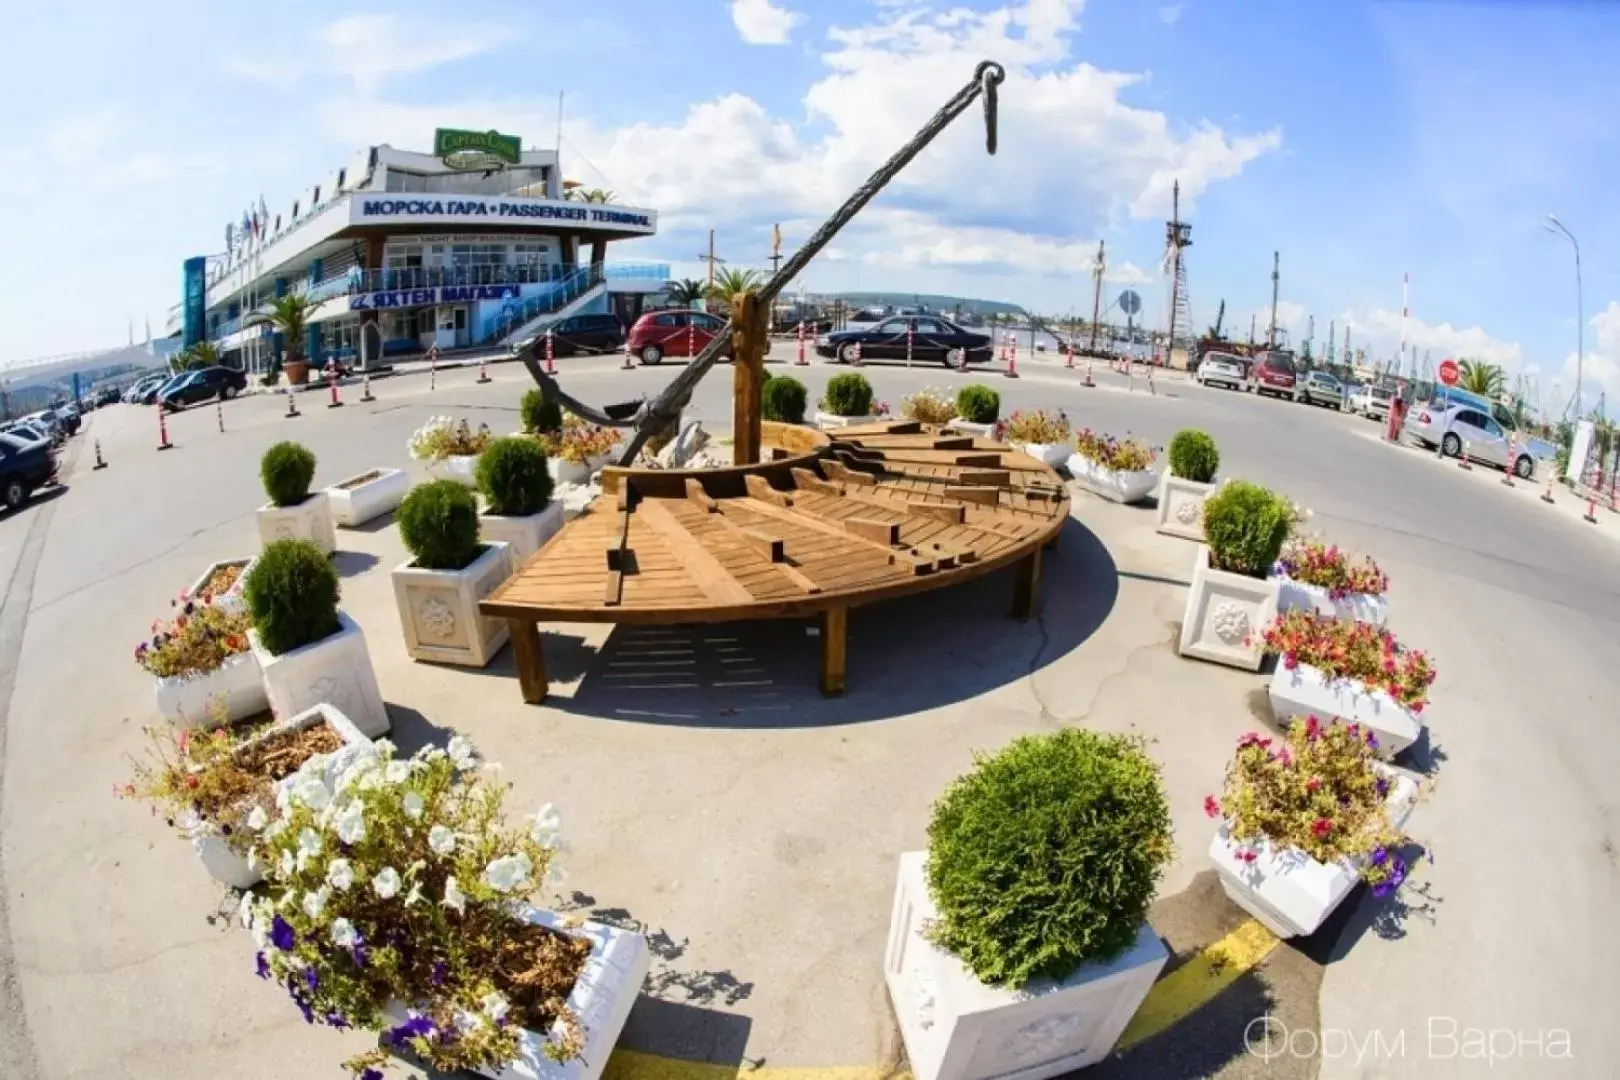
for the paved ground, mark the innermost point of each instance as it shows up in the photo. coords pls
(712, 796)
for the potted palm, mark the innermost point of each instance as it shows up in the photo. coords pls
(1042, 435)
(514, 483)
(1120, 470)
(1018, 944)
(1187, 483)
(438, 589)
(1302, 823)
(1232, 598)
(1323, 578)
(977, 409)
(449, 448)
(289, 316)
(203, 669)
(293, 512)
(311, 651)
(847, 402)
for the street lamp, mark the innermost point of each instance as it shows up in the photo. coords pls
(1553, 225)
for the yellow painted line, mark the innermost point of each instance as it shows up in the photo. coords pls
(1194, 984)
(634, 1065)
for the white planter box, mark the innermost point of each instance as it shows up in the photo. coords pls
(335, 670)
(1307, 691)
(1226, 615)
(231, 599)
(309, 520)
(957, 1028)
(968, 427)
(237, 682)
(439, 609)
(1181, 506)
(357, 505)
(1288, 891)
(1112, 484)
(576, 472)
(607, 987)
(523, 535)
(1362, 607)
(1051, 454)
(827, 421)
(222, 862)
(459, 467)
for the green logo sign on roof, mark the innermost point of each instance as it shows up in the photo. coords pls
(476, 149)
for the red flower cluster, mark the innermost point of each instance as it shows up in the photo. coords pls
(1119, 455)
(1347, 649)
(1311, 562)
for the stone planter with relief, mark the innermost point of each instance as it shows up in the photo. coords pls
(576, 472)
(336, 670)
(968, 427)
(359, 499)
(458, 467)
(1115, 485)
(1050, 454)
(1181, 506)
(827, 421)
(524, 534)
(1362, 607)
(309, 520)
(1226, 615)
(439, 609)
(229, 599)
(236, 687)
(1308, 691)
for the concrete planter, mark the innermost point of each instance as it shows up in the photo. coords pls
(1362, 607)
(1309, 691)
(524, 534)
(1226, 615)
(309, 520)
(1052, 454)
(603, 994)
(1181, 506)
(957, 1028)
(458, 467)
(223, 863)
(827, 421)
(968, 427)
(1290, 893)
(238, 683)
(231, 599)
(576, 472)
(1112, 484)
(335, 670)
(439, 609)
(372, 498)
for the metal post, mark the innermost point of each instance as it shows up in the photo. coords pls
(1554, 225)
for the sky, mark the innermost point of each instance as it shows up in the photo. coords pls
(1361, 140)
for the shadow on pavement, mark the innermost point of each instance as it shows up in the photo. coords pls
(1386, 917)
(353, 563)
(376, 525)
(410, 731)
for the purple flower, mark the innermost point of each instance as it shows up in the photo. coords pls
(1382, 785)
(1382, 889)
(416, 1026)
(371, 1074)
(335, 1020)
(281, 934)
(362, 954)
(1372, 741)
(311, 979)
(440, 970)
(262, 966)
(1379, 856)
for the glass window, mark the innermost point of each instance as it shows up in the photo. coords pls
(671, 319)
(1492, 427)
(929, 326)
(890, 326)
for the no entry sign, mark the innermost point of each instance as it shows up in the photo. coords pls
(1448, 372)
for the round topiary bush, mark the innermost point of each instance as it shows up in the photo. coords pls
(1245, 526)
(513, 477)
(439, 524)
(1047, 855)
(538, 414)
(978, 404)
(292, 593)
(287, 470)
(784, 399)
(1193, 456)
(848, 394)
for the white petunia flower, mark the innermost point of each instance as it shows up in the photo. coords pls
(275, 828)
(556, 874)
(257, 819)
(244, 910)
(547, 827)
(351, 823)
(442, 840)
(384, 747)
(453, 896)
(286, 865)
(397, 772)
(509, 872)
(343, 934)
(495, 1006)
(415, 895)
(462, 752)
(311, 790)
(315, 902)
(386, 883)
(309, 841)
(413, 805)
(339, 874)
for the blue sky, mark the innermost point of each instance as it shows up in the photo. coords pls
(1359, 139)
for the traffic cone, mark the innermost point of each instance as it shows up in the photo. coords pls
(100, 464)
(365, 388)
(292, 405)
(483, 370)
(163, 430)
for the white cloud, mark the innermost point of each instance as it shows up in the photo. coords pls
(1171, 14)
(761, 23)
(371, 48)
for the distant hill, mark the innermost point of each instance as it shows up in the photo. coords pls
(932, 301)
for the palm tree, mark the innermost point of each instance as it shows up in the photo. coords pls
(684, 293)
(1479, 377)
(590, 195)
(288, 316)
(729, 283)
(201, 355)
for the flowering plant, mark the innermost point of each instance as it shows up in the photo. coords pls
(397, 881)
(881, 408)
(444, 436)
(1347, 649)
(1040, 427)
(1312, 562)
(1118, 455)
(929, 406)
(220, 582)
(577, 441)
(196, 641)
(1321, 792)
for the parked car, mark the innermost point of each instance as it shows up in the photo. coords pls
(932, 338)
(68, 416)
(27, 431)
(24, 466)
(107, 395)
(1457, 429)
(50, 423)
(203, 384)
(1320, 388)
(1221, 369)
(590, 335)
(1372, 401)
(145, 383)
(675, 332)
(146, 395)
(1272, 373)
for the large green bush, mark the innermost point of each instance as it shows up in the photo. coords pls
(439, 524)
(978, 404)
(292, 593)
(513, 477)
(1245, 526)
(538, 414)
(784, 399)
(848, 394)
(1047, 855)
(1193, 456)
(287, 470)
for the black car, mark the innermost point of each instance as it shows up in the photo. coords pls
(932, 338)
(202, 385)
(24, 466)
(589, 335)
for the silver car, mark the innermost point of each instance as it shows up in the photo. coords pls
(1221, 369)
(1464, 429)
(1320, 388)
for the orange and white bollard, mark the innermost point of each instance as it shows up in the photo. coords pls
(691, 338)
(855, 361)
(292, 405)
(1068, 355)
(365, 388)
(219, 414)
(629, 364)
(551, 355)
(908, 344)
(100, 464)
(1151, 391)
(1591, 510)
(1088, 381)
(1547, 496)
(1462, 458)
(1513, 456)
(1012, 360)
(433, 367)
(483, 370)
(163, 429)
(332, 385)
(801, 361)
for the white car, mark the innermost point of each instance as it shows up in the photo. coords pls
(1221, 369)
(1372, 402)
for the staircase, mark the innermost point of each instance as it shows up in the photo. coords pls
(518, 329)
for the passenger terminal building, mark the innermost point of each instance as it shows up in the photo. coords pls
(471, 246)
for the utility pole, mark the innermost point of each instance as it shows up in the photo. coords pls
(1332, 333)
(1178, 237)
(776, 249)
(1097, 270)
(1271, 332)
(713, 261)
(1348, 359)
(1251, 328)
(1310, 333)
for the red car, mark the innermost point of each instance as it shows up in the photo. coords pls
(658, 334)
(1272, 373)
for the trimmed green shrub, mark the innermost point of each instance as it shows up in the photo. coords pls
(513, 477)
(978, 404)
(848, 394)
(538, 414)
(287, 470)
(292, 593)
(1047, 855)
(439, 524)
(1193, 456)
(1245, 526)
(784, 399)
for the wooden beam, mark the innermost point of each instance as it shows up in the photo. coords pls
(805, 480)
(529, 659)
(695, 492)
(620, 559)
(838, 470)
(1027, 584)
(771, 548)
(760, 488)
(750, 320)
(886, 533)
(919, 564)
(949, 513)
(775, 549)
(984, 496)
(834, 650)
(700, 565)
(953, 442)
(985, 477)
